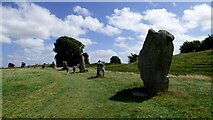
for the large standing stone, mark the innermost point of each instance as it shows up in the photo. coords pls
(52, 65)
(43, 66)
(155, 59)
(11, 65)
(64, 65)
(82, 66)
(100, 69)
(23, 65)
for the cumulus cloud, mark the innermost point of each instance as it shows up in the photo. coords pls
(81, 11)
(111, 31)
(33, 56)
(86, 41)
(103, 55)
(167, 21)
(127, 20)
(32, 21)
(4, 39)
(198, 15)
(29, 26)
(36, 44)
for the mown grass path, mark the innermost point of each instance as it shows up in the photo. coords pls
(37, 93)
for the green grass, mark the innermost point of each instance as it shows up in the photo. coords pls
(37, 93)
(188, 63)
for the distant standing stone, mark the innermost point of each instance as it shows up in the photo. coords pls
(23, 65)
(73, 68)
(82, 66)
(100, 69)
(155, 59)
(43, 66)
(11, 65)
(64, 65)
(52, 65)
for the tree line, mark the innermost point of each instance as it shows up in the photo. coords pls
(196, 45)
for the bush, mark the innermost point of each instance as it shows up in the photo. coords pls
(115, 59)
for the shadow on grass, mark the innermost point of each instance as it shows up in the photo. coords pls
(93, 77)
(126, 95)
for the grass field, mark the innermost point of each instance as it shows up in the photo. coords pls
(188, 63)
(37, 93)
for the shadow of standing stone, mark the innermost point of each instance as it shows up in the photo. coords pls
(137, 95)
(155, 59)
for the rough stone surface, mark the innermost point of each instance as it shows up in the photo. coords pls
(82, 66)
(23, 65)
(11, 65)
(155, 59)
(52, 65)
(64, 65)
(43, 66)
(100, 69)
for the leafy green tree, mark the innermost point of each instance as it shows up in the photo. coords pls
(207, 44)
(86, 58)
(115, 59)
(133, 57)
(193, 46)
(68, 49)
(196, 45)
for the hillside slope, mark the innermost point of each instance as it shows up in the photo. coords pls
(49, 93)
(188, 63)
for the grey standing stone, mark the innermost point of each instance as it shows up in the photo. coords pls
(64, 65)
(82, 66)
(43, 66)
(155, 59)
(100, 69)
(11, 65)
(23, 65)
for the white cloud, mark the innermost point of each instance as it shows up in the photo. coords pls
(36, 44)
(111, 31)
(86, 41)
(33, 56)
(30, 25)
(32, 21)
(4, 39)
(120, 38)
(168, 21)
(103, 55)
(127, 20)
(198, 15)
(87, 23)
(81, 11)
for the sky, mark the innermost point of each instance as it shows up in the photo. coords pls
(30, 29)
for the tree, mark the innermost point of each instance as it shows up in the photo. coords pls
(115, 59)
(86, 58)
(68, 49)
(196, 45)
(193, 46)
(133, 57)
(207, 44)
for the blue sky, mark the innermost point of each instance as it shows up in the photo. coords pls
(29, 30)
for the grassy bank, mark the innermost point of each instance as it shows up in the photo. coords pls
(182, 64)
(37, 93)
